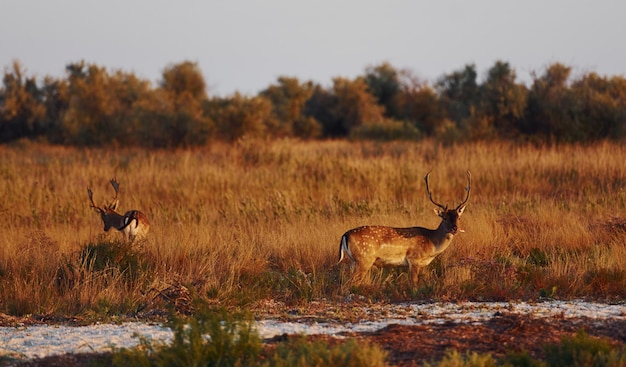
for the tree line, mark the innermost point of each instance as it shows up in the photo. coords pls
(92, 106)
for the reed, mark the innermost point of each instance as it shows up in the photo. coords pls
(262, 219)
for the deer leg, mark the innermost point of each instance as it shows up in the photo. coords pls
(362, 271)
(414, 273)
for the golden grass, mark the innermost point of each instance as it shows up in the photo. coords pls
(257, 219)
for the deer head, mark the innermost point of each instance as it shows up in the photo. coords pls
(450, 217)
(108, 212)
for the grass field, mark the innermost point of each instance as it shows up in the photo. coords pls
(240, 223)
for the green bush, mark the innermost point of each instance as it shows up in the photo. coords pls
(521, 359)
(215, 337)
(302, 353)
(111, 256)
(386, 131)
(579, 350)
(455, 359)
(210, 338)
(583, 350)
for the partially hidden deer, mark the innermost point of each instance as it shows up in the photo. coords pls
(133, 224)
(413, 247)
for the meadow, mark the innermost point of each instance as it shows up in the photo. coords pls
(237, 224)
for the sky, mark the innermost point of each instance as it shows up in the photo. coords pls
(244, 45)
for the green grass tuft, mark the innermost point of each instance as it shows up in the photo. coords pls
(212, 337)
(584, 350)
(302, 353)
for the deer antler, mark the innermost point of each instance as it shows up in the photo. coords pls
(468, 188)
(116, 187)
(93, 205)
(430, 196)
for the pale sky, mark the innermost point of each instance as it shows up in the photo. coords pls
(246, 45)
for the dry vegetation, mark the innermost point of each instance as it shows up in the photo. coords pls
(257, 220)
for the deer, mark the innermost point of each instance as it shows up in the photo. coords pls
(414, 247)
(133, 225)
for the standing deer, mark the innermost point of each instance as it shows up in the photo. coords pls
(133, 225)
(413, 247)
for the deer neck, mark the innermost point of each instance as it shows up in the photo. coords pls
(114, 220)
(443, 237)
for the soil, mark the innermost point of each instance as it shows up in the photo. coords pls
(413, 345)
(416, 344)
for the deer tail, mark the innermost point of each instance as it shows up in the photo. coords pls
(343, 248)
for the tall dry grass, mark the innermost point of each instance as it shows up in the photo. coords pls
(255, 220)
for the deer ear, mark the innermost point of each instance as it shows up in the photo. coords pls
(439, 212)
(114, 204)
(460, 210)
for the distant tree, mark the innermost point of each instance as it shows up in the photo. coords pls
(87, 120)
(459, 93)
(239, 116)
(384, 83)
(355, 105)
(417, 103)
(167, 122)
(22, 111)
(93, 106)
(601, 106)
(503, 101)
(549, 112)
(56, 98)
(183, 89)
(289, 98)
(100, 106)
(184, 78)
(320, 107)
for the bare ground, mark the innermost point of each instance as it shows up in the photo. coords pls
(412, 345)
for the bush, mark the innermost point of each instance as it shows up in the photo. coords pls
(583, 350)
(386, 131)
(108, 256)
(214, 337)
(210, 338)
(456, 359)
(301, 353)
(579, 350)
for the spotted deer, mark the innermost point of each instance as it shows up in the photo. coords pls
(413, 247)
(133, 225)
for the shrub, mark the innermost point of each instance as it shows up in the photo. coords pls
(210, 338)
(214, 337)
(301, 353)
(108, 256)
(583, 350)
(455, 359)
(386, 131)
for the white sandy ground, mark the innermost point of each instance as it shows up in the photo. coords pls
(27, 342)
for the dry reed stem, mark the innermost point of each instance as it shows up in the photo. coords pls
(228, 217)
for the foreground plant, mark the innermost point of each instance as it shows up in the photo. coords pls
(215, 337)
(578, 350)
(584, 350)
(210, 338)
(302, 353)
